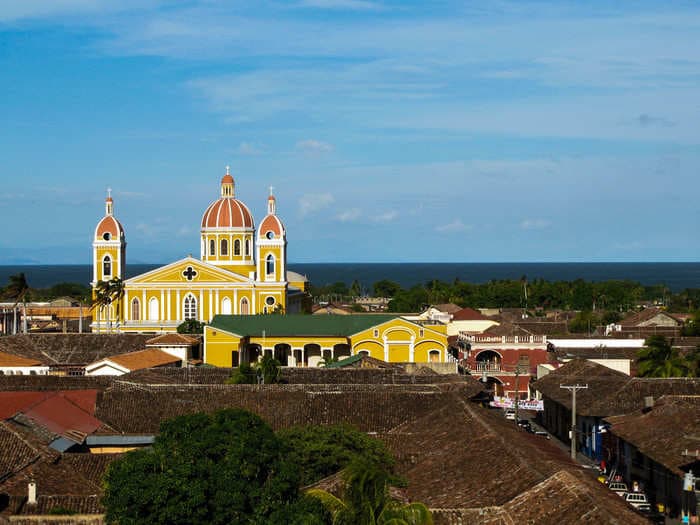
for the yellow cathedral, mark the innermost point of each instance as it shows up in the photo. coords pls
(242, 270)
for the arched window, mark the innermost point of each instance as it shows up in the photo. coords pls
(247, 247)
(212, 247)
(237, 247)
(190, 307)
(135, 309)
(226, 306)
(153, 310)
(106, 266)
(245, 310)
(224, 247)
(270, 265)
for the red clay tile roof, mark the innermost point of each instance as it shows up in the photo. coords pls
(664, 432)
(469, 314)
(636, 318)
(450, 308)
(609, 392)
(15, 360)
(62, 413)
(173, 340)
(149, 358)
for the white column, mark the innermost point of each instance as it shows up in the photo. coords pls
(254, 294)
(162, 304)
(211, 304)
(144, 306)
(386, 349)
(236, 306)
(201, 306)
(127, 306)
(178, 306)
(168, 308)
(412, 349)
(217, 310)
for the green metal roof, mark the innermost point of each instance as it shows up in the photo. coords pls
(298, 325)
(345, 362)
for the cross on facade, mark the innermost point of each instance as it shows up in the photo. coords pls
(109, 192)
(190, 273)
(271, 188)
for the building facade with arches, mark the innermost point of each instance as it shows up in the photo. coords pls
(241, 270)
(305, 340)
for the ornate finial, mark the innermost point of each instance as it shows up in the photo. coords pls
(109, 192)
(228, 170)
(271, 188)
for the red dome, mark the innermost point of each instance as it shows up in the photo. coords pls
(227, 179)
(227, 212)
(271, 223)
(109, 225)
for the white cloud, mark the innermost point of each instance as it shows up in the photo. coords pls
(313, 202)
(386, 216)
(349, 215)
(314, 146)
(453, 227)
(534, 224)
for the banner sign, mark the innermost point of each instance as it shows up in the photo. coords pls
(523, 404)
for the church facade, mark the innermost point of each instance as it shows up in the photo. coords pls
(241, 270)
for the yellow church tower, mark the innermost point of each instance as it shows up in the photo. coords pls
(272, 246)
(227, 231)
(108, 255)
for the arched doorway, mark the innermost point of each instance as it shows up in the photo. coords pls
(341, 350)
(281, 352)
(153, 308)
(312, 354)
(488, 361)
(434, 356)
(251, 352)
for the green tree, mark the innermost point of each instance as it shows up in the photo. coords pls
(385, 288)
(366, 499)
(18, 290)
(659, 358)
(190, 326)
(244, 374)
(227, 467)
(356, 288)
(269, 369)
(320, 451)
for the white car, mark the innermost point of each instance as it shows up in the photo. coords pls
(618, 488)
(510, 414)
(638, 500)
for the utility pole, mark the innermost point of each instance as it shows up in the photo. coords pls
(574, 389)
(517, 393)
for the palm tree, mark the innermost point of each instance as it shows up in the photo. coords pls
(108, 293)
(366, 500)
(18, 290)
(659, 358)
(116, 296)
(100, 299)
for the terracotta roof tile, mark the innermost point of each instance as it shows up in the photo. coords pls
(149, 358)
(15, 360)
(173, 339)
(468, 314)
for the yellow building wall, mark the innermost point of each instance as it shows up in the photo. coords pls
(276, 252)
(113, 253)
(422, 351)
(218, 346)
(375, 348)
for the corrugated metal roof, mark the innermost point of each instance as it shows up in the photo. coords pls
(298, 325)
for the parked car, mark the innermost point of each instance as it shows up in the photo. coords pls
(638, 500)
(618, 488)
(525, 425)
(510, 414)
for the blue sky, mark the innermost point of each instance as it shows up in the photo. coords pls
(391, 131)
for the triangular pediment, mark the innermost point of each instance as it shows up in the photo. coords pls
(188, 270)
